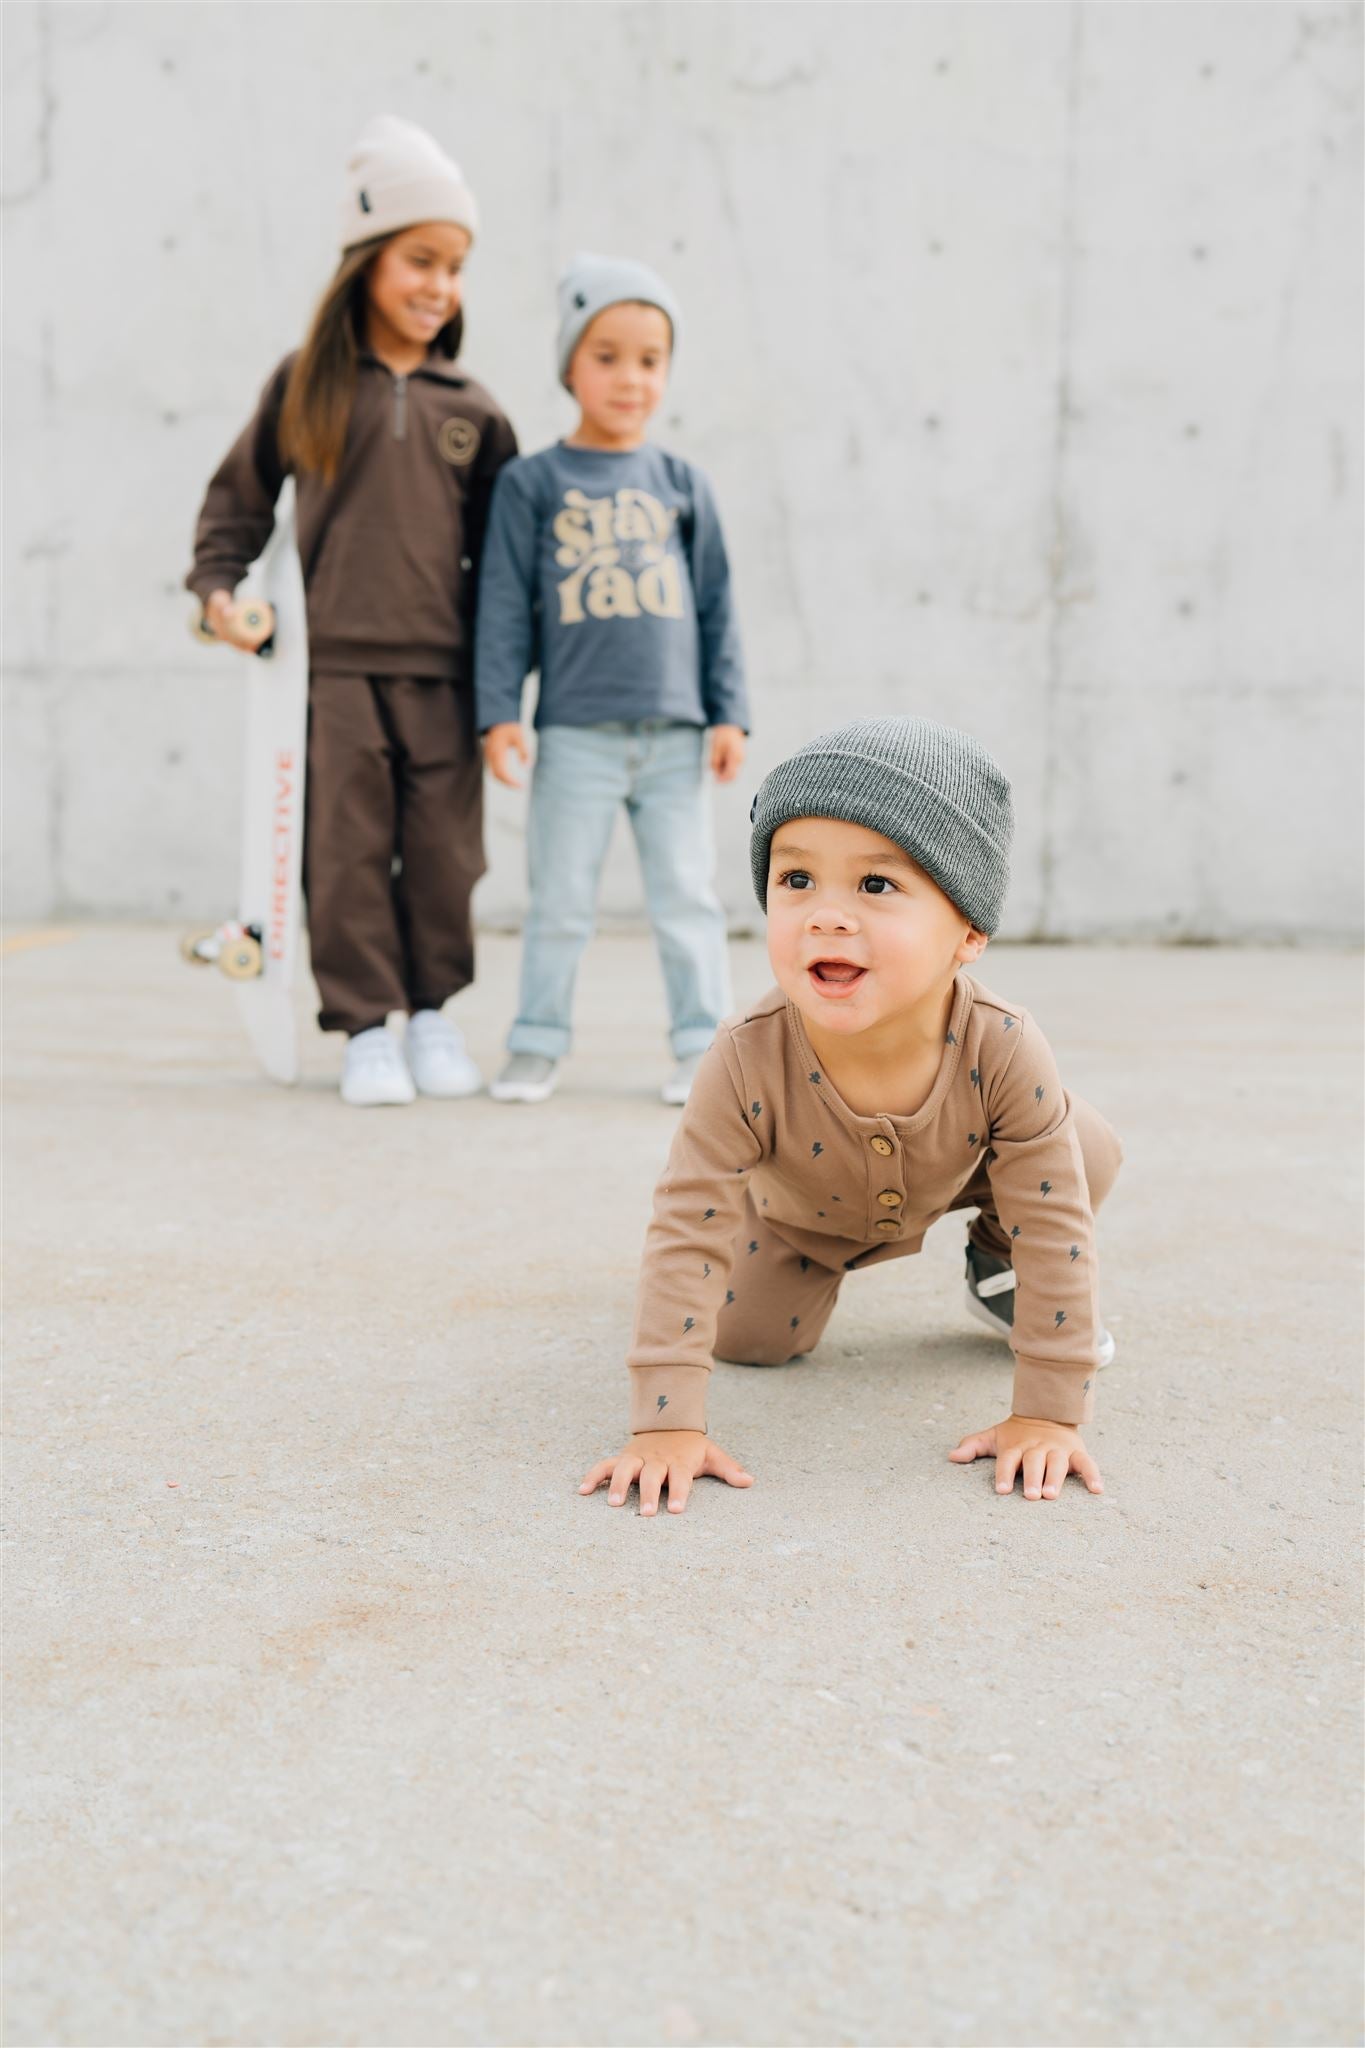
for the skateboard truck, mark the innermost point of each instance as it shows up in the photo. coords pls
(235, 949)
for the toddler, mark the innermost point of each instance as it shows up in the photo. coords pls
(878, 1087)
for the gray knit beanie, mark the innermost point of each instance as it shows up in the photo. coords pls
(591, 284)
(931, 789)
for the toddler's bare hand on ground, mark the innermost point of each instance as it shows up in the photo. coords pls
(727, 751)
(672, 1456)
(499, 742)
(1047, 1451)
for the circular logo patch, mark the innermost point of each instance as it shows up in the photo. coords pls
(458, 441)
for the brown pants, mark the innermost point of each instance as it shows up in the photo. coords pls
(393, 844)
(784, 1298)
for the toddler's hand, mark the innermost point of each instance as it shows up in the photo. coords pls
(1046, 1450)
(498, 742)
(727, 752)
(676, 1455)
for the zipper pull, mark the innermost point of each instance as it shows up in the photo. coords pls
(400, 408)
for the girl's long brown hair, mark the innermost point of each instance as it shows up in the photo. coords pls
(321, 389)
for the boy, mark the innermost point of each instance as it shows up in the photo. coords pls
(876, 1088)
(605, 564)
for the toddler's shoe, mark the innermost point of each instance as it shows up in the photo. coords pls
(990, 1298)
(527, 1077)
(375, 1075)
(438, 1059)
(678, 1086)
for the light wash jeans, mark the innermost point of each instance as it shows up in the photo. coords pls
(583, 774)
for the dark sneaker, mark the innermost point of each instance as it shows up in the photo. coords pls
(990, 1298)
(990, 1291)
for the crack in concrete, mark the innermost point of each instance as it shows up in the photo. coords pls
(711, 141)
(47, 114)
(1059, 544)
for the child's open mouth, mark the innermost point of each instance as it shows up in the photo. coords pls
(836, 977)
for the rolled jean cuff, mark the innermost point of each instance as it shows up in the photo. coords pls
(549, 1041)
(690, 1039)
(668, 1397)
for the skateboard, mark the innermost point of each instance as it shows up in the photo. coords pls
(258, 949)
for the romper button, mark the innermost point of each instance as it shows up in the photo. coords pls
(882, 1145)
(889, 1199)
(888, 1228)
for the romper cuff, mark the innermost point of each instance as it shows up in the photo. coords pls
(668, 1397)
(1053, 1393)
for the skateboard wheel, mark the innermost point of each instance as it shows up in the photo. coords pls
(256, 619)
(242, 959)
(194, 947)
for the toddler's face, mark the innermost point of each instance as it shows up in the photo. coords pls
(857, 934)
(414, 282)
(619, 370)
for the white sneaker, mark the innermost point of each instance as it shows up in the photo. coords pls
(527, 1077)
(437, 1058)
(678, 1086)
(375, 1074)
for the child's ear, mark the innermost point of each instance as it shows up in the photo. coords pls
(973, 946)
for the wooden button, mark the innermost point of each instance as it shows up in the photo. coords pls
(882, 1145)
(888, 1227)
(889, 1199)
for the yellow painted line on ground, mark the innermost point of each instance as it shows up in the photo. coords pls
(25, 942)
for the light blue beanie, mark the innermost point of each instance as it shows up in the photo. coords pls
(591, 284)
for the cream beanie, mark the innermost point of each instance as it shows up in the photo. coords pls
(397, 176)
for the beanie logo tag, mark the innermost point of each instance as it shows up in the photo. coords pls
(365, 206)
(753, 811)
(580, 300)
(458, 441)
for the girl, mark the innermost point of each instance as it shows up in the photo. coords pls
(394, 451)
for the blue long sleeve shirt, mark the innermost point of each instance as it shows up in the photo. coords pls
(607, 570)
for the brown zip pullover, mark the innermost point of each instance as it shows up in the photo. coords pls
(390, 550)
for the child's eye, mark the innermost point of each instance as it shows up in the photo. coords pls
(794, 878)
(877, 885)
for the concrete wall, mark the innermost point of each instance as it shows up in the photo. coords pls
(1023, 346)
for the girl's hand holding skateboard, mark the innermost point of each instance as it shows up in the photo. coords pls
(1046, 1452)
(727, 751)
(675, 1456)
(244, 626)
(499, 742)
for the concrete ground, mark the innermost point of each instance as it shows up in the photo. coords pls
(336, 1716)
